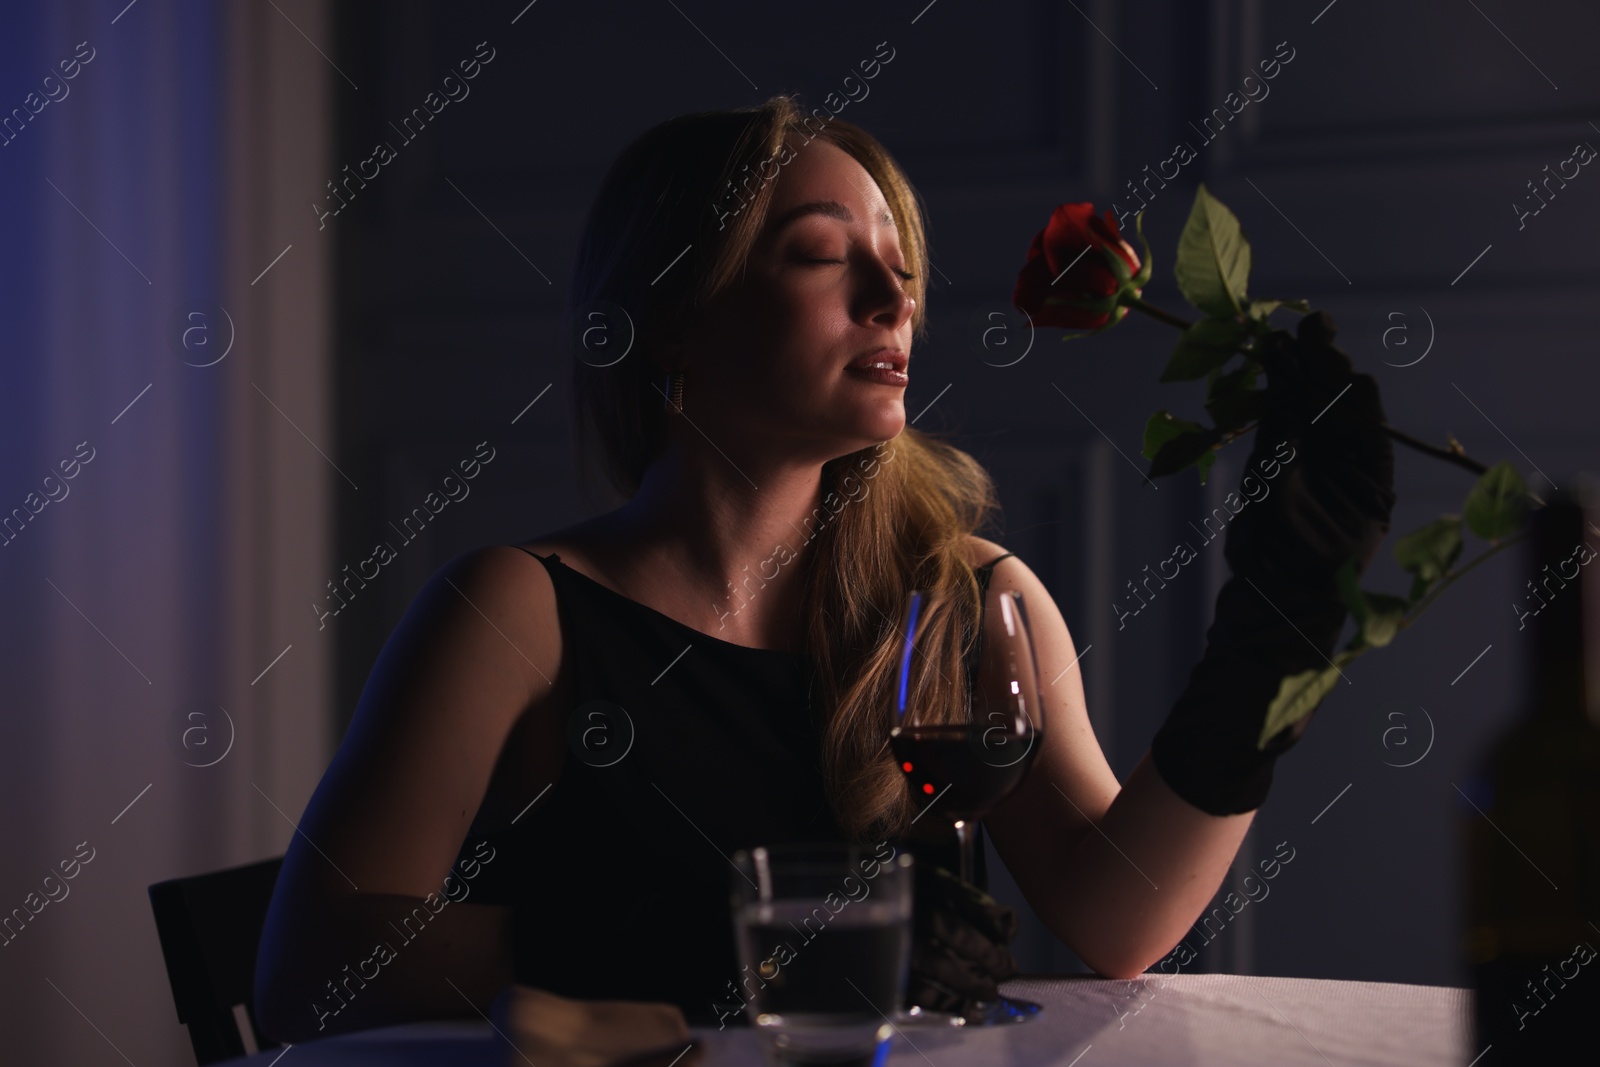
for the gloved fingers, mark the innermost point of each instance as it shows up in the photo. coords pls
(1332, 499)
(1320, 519)
(1343, 434)
(937, 887)
(974, 939)
(959, 947)
(966, 941)
(993, 920)
(940, 965)
(1305, 372)
(927, 993)
(1346, 510)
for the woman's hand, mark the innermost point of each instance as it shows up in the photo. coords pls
(1333, 499)
(1322, 451)
(959, 944)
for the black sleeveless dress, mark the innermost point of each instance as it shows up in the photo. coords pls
(682, 750)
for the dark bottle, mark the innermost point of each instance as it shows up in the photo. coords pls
(1532, 894)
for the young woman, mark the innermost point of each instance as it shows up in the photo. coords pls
(563, 740)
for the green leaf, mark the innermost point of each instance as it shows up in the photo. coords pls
(1497, 504)
(1260, 309)
(1427, 553)
(1213, 262)
(1298, 696)
(1350, 592)
(1162, 427)
(1171, 444)
(1234, 412)
(1245, 375)
(1377, 615)
(1203, 347)
(1232, 400)
(1383, 618)
(1187, 448)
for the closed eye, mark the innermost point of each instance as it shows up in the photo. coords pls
(904, 275)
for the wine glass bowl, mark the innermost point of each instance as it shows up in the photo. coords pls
(964, 748)
(967, 759)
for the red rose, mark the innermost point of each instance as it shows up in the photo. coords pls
(1099, 267)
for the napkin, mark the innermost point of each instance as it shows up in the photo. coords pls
(556, 1031)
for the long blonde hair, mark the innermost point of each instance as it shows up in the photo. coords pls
(704, 181)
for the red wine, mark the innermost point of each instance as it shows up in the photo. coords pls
(970, 768)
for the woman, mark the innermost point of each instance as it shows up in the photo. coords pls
(586, 725)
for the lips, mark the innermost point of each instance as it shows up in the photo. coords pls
(885, 358)
(883, 366)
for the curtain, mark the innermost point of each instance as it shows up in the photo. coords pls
(165, 511)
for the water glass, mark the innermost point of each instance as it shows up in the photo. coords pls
(824, 936)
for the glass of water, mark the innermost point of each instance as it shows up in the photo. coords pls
(824, 935)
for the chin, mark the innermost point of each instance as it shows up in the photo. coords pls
(869, 432)
(840, 425)
(889, 426)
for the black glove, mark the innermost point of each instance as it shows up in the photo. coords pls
(1281, 613)
(959, 943)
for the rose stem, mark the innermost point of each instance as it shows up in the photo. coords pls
(1156, 313)
(1406, 439)
(1445, 454)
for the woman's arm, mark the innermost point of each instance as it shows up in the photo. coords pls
(1118, 874)
(364, 928)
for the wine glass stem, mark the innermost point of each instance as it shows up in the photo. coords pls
(966, 845)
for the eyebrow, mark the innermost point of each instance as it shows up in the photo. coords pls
(830, 208)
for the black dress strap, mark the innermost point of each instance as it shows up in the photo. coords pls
(987, 569)
(983, 574)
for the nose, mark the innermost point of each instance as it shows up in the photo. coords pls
(886, 301)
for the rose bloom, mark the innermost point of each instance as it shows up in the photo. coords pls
(1103, 266)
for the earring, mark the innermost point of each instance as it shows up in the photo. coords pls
(674, 392)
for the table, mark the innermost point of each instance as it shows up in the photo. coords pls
(1186, 1019)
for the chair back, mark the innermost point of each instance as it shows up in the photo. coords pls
(210, 925)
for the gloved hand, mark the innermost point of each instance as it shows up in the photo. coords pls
(959, 944)
(1280, 613)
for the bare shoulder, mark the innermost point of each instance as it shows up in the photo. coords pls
(488, 613)
(511, 589)
(980, 550)
(483, 638)
(502, 582)
(1011, 574)
(510, 578)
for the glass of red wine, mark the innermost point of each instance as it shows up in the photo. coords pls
(964, 758)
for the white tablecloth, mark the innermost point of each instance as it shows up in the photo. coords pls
(1198, 1019)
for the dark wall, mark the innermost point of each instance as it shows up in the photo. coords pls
(1383, 160)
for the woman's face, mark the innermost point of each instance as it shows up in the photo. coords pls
(768, 366)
